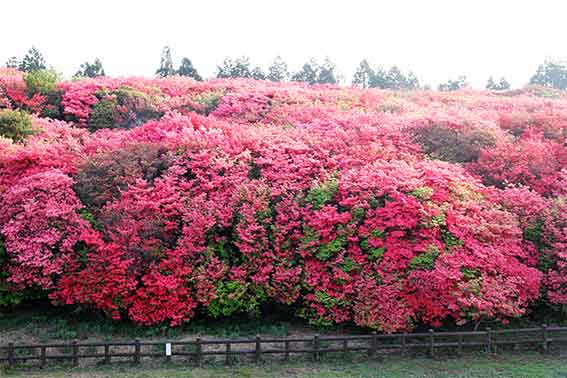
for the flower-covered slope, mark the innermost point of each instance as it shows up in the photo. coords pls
(161, 199)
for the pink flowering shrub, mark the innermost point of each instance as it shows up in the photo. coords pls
(158, 200)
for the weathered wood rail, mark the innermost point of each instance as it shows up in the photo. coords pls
(201, 350)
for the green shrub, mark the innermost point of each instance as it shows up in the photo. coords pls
(44, 82)
(15, 125)
(103, 115)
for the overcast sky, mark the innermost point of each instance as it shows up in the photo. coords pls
(437, 39)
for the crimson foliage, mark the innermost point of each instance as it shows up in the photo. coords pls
(162, 199)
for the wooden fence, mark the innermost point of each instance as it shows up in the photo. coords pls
(201, 350)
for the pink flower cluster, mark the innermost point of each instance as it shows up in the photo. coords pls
(347, 205)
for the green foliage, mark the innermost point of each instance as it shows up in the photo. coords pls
(470, 274)
(232, 297)
(374, 254)
(534, 233)
(186, 69)
(313, 73)
(394, 79)
(322, 194)
(308, 73)
(103, 115)
(44, 82)
(358, 214)
(551, 73)
(450, 240)
(234, 68)
(94, 69)
(255, 171)
(349, 265)
(423, 193)
(502, 85)
(364, 74)
(326, 300)
(15, 125)
(453, 85)
(278, 70)
(425, 261)
(325, 251)
(33, 61)
(13, 62)
(166, 64)
(210, 100)
(309, 236)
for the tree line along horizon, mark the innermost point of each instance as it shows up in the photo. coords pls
(551, 73)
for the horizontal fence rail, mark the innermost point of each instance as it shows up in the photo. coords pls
(202, 350)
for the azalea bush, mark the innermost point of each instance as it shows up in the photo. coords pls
(161, 200)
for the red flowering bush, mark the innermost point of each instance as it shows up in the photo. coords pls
(158, 200)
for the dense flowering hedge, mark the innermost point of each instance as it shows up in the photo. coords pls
(161, 199)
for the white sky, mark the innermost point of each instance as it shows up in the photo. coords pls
(437, 39)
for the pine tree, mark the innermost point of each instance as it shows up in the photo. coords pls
(91, 70)
(551, 73)
(364, 74)
(13, 62)
(309, 73)
(258, 74)
(33, 61)
(278, 70)
(186, 69)
(166, 64)
(239, 67)
(327, 72)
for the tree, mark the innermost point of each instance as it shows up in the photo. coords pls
(394, 78)
(551, 74)
(258, 74)
(166, 65)
(239, 67)
(13, 62)
(33, 61)
(91, 70)
(309, 73)
(278, 70)
(453, 85)
(186, 69)
(364, 74)
(502, 85)
(326, 73)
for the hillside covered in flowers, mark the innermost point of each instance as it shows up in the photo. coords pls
(160, 200)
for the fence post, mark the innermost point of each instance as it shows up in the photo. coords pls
(43, 356)
(106, 353)
(488, 340)
(373, 345)
(198, 351)
(286, 348)
(228, 348)
(75, 353)
(404, 344)
(431, 343)
(137, 351)
(545, 334)
(258, 348)
(316, 347)
(11, 360)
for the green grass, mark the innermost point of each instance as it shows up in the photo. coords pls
(472, 366)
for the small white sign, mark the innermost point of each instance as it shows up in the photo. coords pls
(168, 349)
